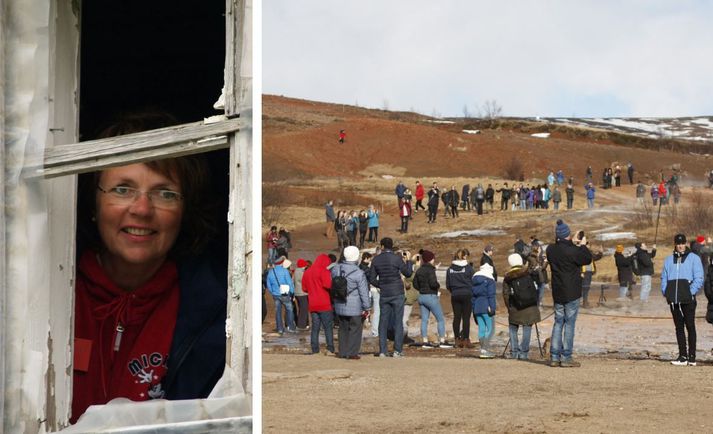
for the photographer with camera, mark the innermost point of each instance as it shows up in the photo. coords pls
(385, 273)
(566, 257)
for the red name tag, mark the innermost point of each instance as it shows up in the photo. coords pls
(82, 353)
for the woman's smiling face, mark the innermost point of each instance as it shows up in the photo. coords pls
(136, 232)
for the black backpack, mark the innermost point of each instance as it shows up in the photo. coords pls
(339, 286)
(635, 265)
(523, 292)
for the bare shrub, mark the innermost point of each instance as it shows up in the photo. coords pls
(514, 170)
(643, 217)
(274, 204)
(695, 218)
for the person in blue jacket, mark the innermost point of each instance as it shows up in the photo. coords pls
(681, 279)
(484, 307)
(373, 216)
(282, 289)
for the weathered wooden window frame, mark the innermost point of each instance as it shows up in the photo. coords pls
(64, 158)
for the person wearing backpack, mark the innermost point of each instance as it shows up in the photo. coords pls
(426, 283)
(624, 272)
(566, 259)
(317, 283)
(385, 273)
(483, 290)
(681, 278)
(520, 296)
(643, 266)
(353, 305)
(458, 282)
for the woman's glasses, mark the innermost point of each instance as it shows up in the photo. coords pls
(122, 195)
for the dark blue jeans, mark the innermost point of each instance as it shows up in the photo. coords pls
(326, 320)
(392, 312)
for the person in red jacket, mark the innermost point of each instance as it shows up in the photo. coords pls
(420, 193)
(316, 282)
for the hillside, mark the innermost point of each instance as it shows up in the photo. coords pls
(382, 143)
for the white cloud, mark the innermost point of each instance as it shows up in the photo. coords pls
(554, 58)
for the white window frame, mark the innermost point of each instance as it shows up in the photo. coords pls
(55, 172)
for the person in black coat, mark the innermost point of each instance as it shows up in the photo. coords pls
(645, 264)
(433, 196)
(624, 272)
(566, 259)
(459, 281)
(453, 201)
(465, 198)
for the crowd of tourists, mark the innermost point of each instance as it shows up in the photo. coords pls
(360, 292)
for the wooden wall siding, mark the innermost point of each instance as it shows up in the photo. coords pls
(239, 289)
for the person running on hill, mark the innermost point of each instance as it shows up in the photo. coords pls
(433, 196)
(458, 281)
(342, 136)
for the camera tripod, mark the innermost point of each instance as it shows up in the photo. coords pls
(602, 297)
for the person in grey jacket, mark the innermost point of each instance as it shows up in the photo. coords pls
(351, 312)
(385, 273)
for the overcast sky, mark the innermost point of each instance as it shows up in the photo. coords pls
(535, 58)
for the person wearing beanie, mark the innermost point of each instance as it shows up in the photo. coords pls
(645, 265)
(458, 282)
(516, 284)
(566, 258)
(385, 273)
(483, 290)
(352, 311)
(681, 278)
(301, 297)
(426, 283)
(625, 274)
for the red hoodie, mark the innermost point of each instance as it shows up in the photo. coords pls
(316, 282)
(419, 192)
(122, 339)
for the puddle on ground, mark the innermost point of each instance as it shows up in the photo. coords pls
(472, 233)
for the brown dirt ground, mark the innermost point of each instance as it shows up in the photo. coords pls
(443, 395)
(625, 383)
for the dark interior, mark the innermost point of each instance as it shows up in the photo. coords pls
(154, 55)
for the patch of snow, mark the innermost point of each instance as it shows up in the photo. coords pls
(474, 233)
(440, 122)
(471, 131)
(616, 236)
(541, 135)
(387, 176)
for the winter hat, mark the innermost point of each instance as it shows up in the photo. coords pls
(351, 253)
(486, 270)
(280, 260)
(619, 248)
(515, 260)
(562, 230)
(286, 264)
(428, 256)
(679, 239)
(301, 263)
(700, 239)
